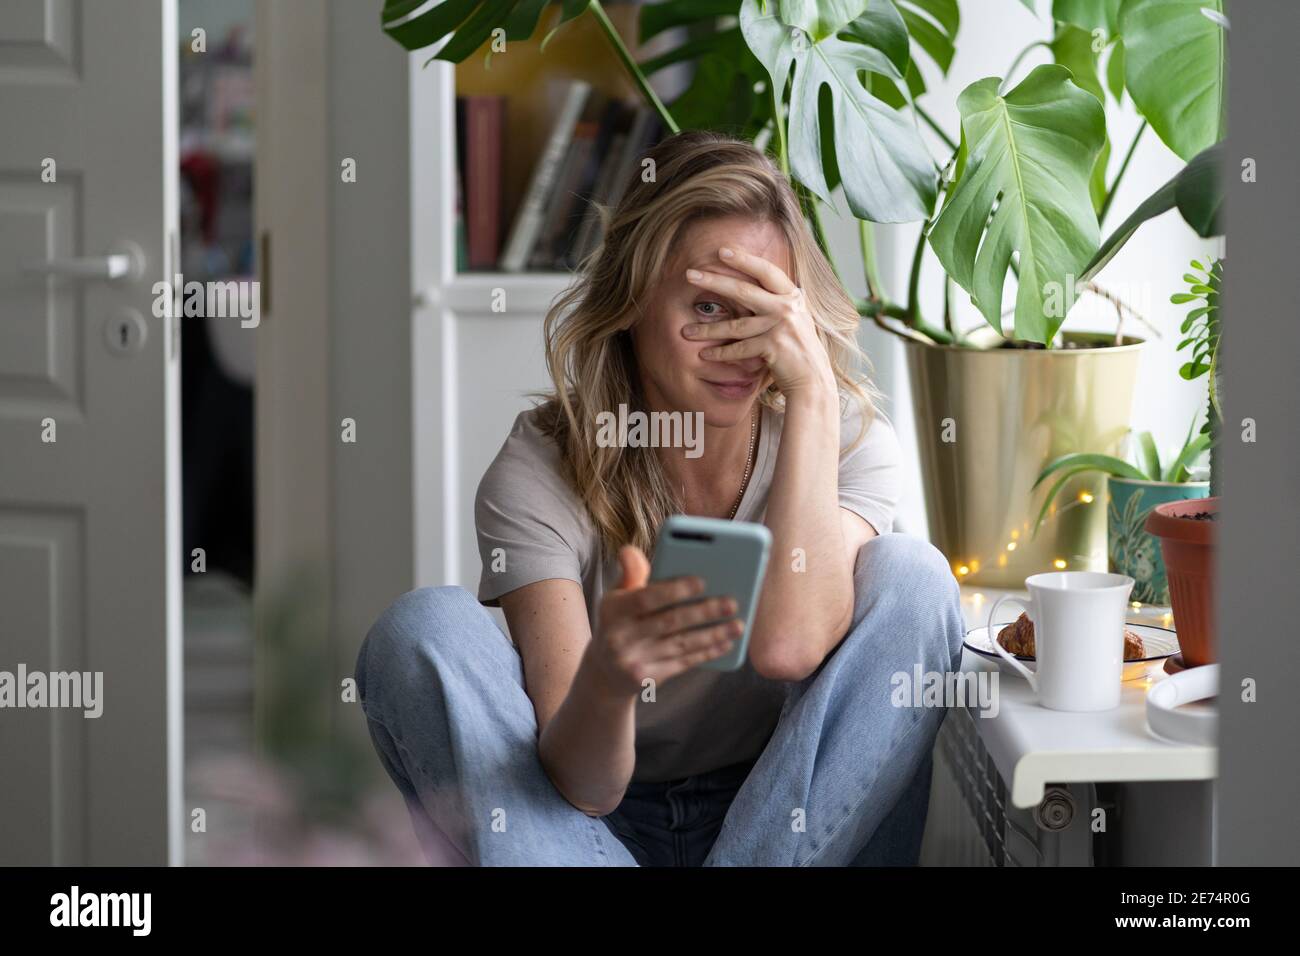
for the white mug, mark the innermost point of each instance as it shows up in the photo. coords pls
(1078, 619)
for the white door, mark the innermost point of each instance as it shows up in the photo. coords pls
(89, 494)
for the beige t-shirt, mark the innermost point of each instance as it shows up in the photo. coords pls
(701, 720)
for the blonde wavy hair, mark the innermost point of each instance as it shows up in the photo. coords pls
(697, 175)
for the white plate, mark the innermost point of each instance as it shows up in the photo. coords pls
(1160, 642)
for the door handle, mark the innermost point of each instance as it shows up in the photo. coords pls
(125, 261)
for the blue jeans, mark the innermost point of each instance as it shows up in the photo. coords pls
(844, 779)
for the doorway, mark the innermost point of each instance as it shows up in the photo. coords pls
(217, 148)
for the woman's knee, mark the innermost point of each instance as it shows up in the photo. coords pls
(895, 557)
(925, 598)
(419, 627)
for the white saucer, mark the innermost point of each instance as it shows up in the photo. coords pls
(1160, 642)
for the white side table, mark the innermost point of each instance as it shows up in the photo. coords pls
(1033, 746)
(1040, 756)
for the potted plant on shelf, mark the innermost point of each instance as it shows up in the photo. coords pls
(836, 91)
(1187, 529)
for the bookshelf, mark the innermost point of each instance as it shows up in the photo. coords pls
(476, 359)
(539, 135)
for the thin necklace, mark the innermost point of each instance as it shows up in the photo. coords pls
(749, 465)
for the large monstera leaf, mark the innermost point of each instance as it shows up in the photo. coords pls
(1023, 191)
(1074, 49)
(1174, 64)
(887, 173)
(471, 22)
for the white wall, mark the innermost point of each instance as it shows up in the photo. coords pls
(1145, 273)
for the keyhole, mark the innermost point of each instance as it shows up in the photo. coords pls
(124, 334)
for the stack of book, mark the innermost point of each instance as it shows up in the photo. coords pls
(592, 155)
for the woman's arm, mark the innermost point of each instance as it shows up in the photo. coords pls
(584, 687)
(586, 734)
(807, 604)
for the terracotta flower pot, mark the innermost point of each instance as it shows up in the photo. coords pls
(1187, 544)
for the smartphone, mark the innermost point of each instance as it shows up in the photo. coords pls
(731, 557)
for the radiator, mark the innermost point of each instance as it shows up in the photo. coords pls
(971, 822)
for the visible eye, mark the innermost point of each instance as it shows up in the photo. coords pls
(710, 310)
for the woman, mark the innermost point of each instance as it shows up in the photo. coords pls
(595, 738)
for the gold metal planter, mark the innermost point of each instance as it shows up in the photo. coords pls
(987, 423)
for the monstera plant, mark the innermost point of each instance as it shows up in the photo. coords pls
(837, 89)
(1012, 203)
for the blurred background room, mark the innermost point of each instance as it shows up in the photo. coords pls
(408, 221)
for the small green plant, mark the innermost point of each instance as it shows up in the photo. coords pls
(1201, 328)
(1202, 324)
(1147, 465)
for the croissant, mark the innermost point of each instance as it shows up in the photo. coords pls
(1018, 638)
